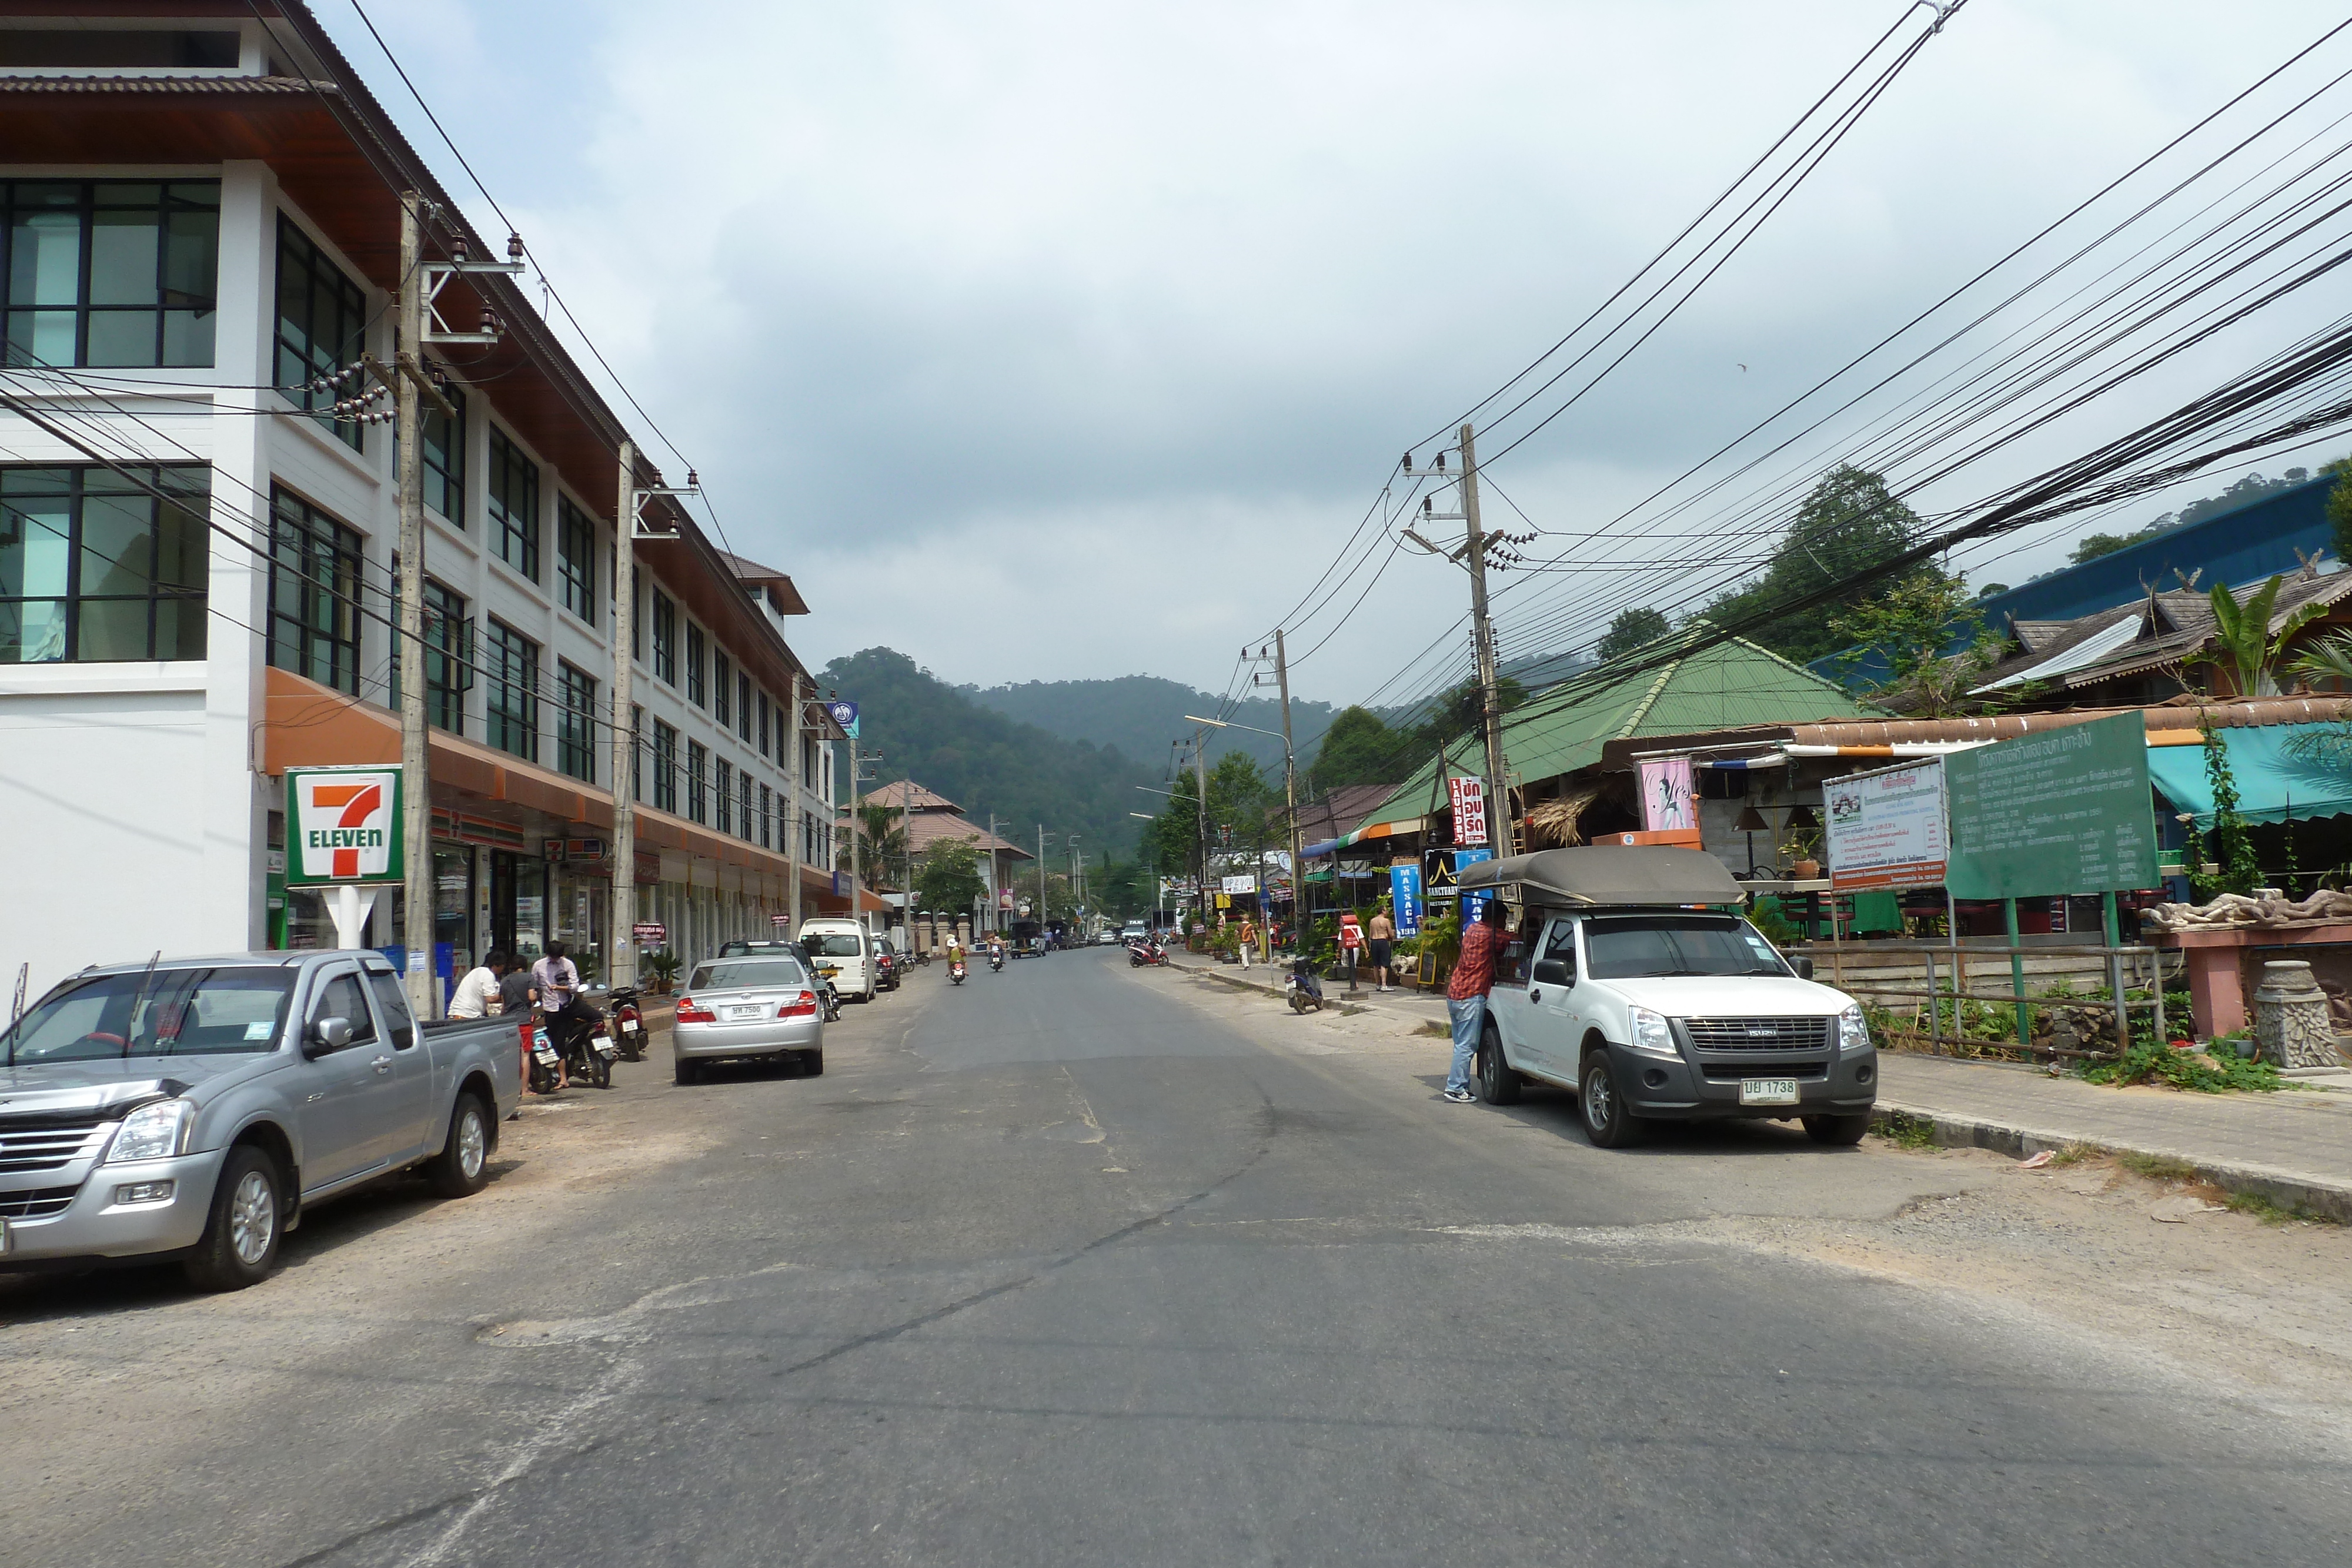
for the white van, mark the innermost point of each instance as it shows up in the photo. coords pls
(838, 939)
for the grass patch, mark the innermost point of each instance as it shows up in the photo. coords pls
(1905, 1131)
(2156, 1167)
(2149, 1062)
(2075, 1155)
(1436, 1030)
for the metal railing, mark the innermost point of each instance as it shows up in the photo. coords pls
(2122, 966)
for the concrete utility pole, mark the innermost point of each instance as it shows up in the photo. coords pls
(624, 722)
(416, 783)
(1290, 797)
(793, 816)
(1498, 804)
(995, 913)
(1201, 778)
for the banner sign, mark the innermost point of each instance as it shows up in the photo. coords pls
(1469, 796)
(1404, 894)
(2064, 811)
(1241, 885)
(342, 824)
(844, 714)
(1473, 902)
(1886, 828)
(653, 932)
(781, 921)
(1666, 803)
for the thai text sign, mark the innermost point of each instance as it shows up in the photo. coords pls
(2063, 811)
(342, 824)
(650, 933)
(1241, 885)
(1404, 890)
(1469, 796)
(1886, 828)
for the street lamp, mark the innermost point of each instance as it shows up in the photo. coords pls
(1290, 812)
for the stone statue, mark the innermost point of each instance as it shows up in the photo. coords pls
(2291, 1017)
(2268, 906)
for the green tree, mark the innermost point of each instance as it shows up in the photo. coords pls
(1462, 711)
(1360, 748)
(2091, 547)
(1632, 629)
(1847, 524)
(2339, 507)
(947, 877)
(2244, 642)
(1901, 644)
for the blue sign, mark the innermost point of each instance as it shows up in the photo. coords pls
(1473, 904)
(845, 716)
(1404, 893)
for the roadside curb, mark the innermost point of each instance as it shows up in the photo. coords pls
(1250, 982)
(2289, 1189)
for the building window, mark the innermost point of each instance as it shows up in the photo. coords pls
(665, 639)
(314, 593)
(449, 653)
(698, 781)
(575, 724)
(444, 446)
(575, 559)
(722, 683)
(512, 499)
(665, 766)
(767, 816)
(512, 660)
(636, 753)
(723, 793)
(321, 327)
(98, 567)
(694, 662)
(763, 724)
(743, 707)
(109, 272)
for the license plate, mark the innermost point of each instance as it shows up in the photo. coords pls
(546, 1058)
(1767, 1092)
(754, 1011)
(628, 1026)
(608, 1050)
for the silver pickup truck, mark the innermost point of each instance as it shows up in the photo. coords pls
(192, 1108)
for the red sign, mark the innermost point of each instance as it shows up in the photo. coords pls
(651, 932)
(781, 921)
(1469, 809)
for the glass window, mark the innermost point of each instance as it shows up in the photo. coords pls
(575, 559)
(665, 766)
(1629, 946)
(763, 724)
(637, 752)
(444, 443)
(747, 974)
(665, 639)
(743, 707)
(314, 593)
(767, 817)
(511, 713)
(511, 501)
(694, 659)
(723, 684)
(321, 327)
(173, 1012)
(109, 272)
(393, 1006)
(449, 653)
(98, 567)
(723, 793)
(698, 781)
(341, 997)
(575, 723)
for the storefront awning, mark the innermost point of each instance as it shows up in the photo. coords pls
(2283, 772)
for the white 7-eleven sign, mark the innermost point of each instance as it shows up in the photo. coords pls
(342, 824)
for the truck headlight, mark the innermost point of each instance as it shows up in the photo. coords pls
(155, 1132)
(1853, 1033)
(1653, 1033)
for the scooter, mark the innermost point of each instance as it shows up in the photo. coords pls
(995, 961)
(626, 1023)
(827, 997)
(1301, 989)
(955, 972)
(586, 1055)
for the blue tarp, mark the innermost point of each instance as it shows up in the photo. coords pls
(2276, 780)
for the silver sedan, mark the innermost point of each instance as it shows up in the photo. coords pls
(754, 1006)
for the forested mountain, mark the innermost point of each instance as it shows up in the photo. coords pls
(986, 761)
(1140, 715)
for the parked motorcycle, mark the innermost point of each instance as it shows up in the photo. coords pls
(625, 1023)
(1301, 989)
(585, 1054)
(827, 995)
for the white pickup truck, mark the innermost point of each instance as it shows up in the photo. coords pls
(1632, 981)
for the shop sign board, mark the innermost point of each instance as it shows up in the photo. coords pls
(1666, 795)
(2063, 811)
(844, 714)
(1886, 828)
(781, 921)
(574, 851)
(650, 933)
(343, 825)
(1241, 885)
(1404, 894)
(1469, 798)
(1473, 902)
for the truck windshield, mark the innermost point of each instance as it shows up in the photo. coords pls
(173, 1012)
(1631, 946)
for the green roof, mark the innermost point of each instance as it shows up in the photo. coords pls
(1723, 687)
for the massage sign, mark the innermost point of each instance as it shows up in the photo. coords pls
(342, 824)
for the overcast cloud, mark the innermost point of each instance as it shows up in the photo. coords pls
(1045, 340)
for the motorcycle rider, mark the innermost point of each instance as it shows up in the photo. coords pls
(556, 981)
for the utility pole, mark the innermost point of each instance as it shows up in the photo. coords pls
(995, 920)
(1200, 782)
(794, 815)
(417, 785)
(1289, 786)
(625, 722)
(1498, 804)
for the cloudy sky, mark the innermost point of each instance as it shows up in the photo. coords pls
(1045, 339)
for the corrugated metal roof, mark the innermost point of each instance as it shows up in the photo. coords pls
(168, 87)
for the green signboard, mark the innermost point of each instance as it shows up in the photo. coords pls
(2063, 811)
(342, 824)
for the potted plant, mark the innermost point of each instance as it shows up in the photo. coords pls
(661, 966)
(1805, 848)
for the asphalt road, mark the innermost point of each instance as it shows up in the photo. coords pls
(1076, 1264)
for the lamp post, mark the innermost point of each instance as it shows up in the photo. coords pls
(1290, 809)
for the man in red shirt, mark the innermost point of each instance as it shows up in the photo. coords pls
(1466, 995)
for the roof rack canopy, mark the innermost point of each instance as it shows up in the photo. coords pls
(1654, 875)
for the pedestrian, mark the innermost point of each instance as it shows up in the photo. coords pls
(555, 981)
(480, 995)
(1382, 936)
(1249, 936)
(1466, 995)
(1351, 945)
(515, 999)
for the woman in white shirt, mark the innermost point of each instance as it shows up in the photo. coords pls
(476, 995)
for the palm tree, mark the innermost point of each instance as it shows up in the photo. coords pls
(2245, 641)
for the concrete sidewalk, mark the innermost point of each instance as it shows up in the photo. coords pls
(2293, 1148)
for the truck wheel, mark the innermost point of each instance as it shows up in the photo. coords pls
(462, 1168)
(1498, 1084)
(1836, 1131)
(239, 1247)
(1606, 1121)
(686, 1071)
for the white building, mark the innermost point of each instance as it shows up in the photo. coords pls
(199, 231)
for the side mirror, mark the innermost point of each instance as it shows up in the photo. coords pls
(1805, 967)
(329, 1034)
(1551, 972)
